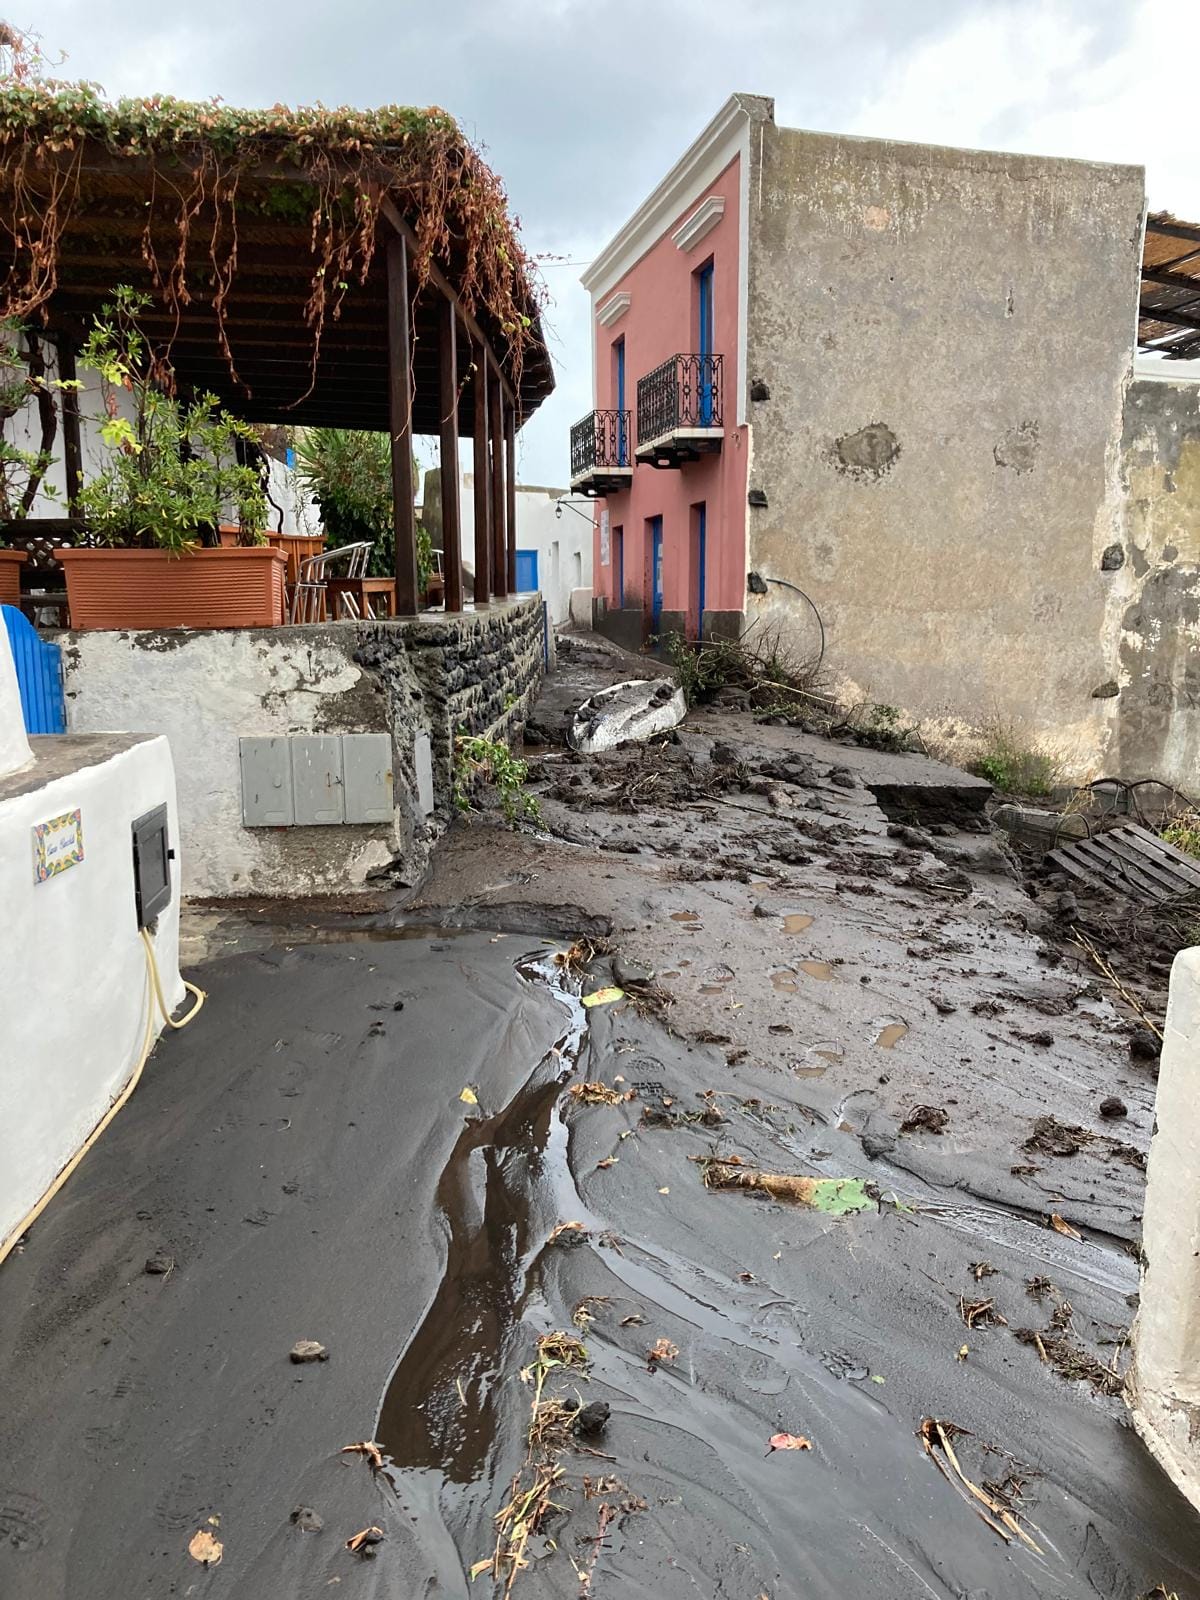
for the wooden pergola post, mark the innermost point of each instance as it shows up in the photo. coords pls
(510, 483)
(400, 379)
(499, 539)
(483, 526)
(72, 439)
(448, 400)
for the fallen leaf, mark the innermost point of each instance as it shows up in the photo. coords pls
(206, 1549)
(789, 1441)
(595, 1094)
(837, 1197)
(875, 1378)
(661, 1350)
(368, 1448)
(603, 997)
(1059, 1226)
(364, 1538)
(469, 1097)
(664, 1190)
(481, 1566)
(963, 1353)
(609, 1161)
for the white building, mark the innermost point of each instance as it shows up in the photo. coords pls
(557, 527)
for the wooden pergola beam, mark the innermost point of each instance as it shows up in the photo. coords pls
(1171, 280)
(483, 524)
(1173, 318)
(1173, 230)
(448, 401)
(404, 518)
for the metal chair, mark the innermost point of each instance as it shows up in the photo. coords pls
(308, 595)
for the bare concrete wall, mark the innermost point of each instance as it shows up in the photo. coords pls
(1153, 623)
(945, 336)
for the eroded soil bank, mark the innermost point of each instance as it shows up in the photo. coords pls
(816, 985)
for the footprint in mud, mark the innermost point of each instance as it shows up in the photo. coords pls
(764, 1375)
(715, 978)
(817, 969)
(22, 1520)
(784, 979)
(183, 1505)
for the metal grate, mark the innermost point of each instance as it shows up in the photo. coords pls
(685, 392)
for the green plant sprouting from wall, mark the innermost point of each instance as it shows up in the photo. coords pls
(1183, 831)
(1012, 766)
(482, 761)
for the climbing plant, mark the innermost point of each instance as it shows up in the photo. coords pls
(208, 168)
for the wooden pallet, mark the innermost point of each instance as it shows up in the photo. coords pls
(1132, 861)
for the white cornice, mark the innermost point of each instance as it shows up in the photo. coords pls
(699, 166)
(706, 216)
(613, 310)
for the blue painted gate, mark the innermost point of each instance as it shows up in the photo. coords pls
(39, 675)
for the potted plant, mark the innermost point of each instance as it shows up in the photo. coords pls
(169, 479)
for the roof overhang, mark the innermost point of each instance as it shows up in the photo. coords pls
(1169, 308)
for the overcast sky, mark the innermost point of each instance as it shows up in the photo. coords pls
(583, 106)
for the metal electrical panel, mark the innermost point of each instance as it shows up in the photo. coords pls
(266, 783)
(152, 855)
(367, 771)
(315, 780)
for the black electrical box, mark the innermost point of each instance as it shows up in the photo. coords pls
(152, 855)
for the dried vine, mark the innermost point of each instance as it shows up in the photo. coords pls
(205, 167)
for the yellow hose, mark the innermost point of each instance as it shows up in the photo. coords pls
(156, 995)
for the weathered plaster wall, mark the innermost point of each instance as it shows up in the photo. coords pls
(1164, 1392)
(945, 336)
(207, 689)
(74, 989)
(1152, 686)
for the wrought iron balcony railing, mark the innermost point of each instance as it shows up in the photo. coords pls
(600, 442)
(685, 392)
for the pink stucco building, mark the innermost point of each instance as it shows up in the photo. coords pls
(667, 447)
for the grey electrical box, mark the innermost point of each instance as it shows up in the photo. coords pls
(315, 780)
(367, 776)
(266, 783)
(423, 762)
(152, 856)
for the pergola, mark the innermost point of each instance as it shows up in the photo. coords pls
(1169, 313)
(341, 269)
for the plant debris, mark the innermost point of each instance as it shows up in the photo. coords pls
(930, 1118)
(363, 1542)
(938, 1437)
(584, 1313)
(368, 1448)
(1065, 1228)
(1050, 1137)
(604, 997)
(980, 1314)
(982, 1269)
(1072, 1361)
(835, 1196)
(565, 1233)
(598, 1094)
(661, 1350)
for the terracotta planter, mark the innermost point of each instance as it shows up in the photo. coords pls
(10, 577)
(235, 588)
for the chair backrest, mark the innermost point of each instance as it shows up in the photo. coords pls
(307, 595)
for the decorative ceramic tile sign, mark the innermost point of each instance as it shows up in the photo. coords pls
(604, 539)
(57, 845)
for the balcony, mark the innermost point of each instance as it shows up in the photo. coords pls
(679, 411)
(600, 461)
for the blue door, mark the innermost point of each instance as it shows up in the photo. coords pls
(656, 573)
(39, 675)
(618, 538)
(701, 561)
(622, 442)
(527, 571)
(704, 343)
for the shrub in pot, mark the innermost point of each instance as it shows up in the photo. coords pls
(169, 477)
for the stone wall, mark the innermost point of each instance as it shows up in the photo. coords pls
(1152, 687)
(207, 689)
(941, 340)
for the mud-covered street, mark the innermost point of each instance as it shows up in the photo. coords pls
(827, 1167)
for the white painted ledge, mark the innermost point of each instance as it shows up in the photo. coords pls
(703, 220)
(1164, 1388)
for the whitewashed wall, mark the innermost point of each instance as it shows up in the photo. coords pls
(563, 544)
(74, 991)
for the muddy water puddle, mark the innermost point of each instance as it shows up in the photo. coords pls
(688, 918)
(797, 922)
(890, 1034)
(817, 969)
